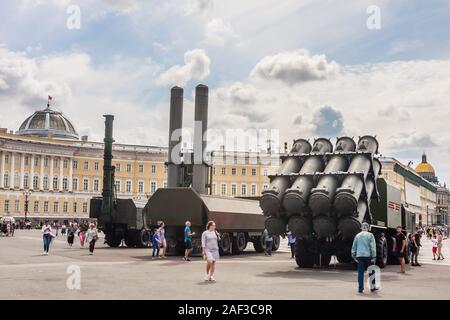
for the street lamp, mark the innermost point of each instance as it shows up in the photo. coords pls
(26, 193)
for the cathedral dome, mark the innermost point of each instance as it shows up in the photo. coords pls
(424, 167)
(48, 122)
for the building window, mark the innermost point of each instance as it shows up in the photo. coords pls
(141, 168)
(233, 190)
(35, 182)
(55, 163)
(26, 161)
(233, 171)
(153, 186)
(118, 186)
(16, 180)
(36, 207)
(213, 187)
(214, 171)
(26, 181)
(46, 162)
(85, 207)
(141, 187)
(165, 169)
(45, 206)
(224, 171)
(7, 158)
(6, 206)
(265, 187)
(243, 189)
(96, 166)
(244, 171)
(75, 207)
(45, 182)
(86, 165)
(36, 161)
(65, 164)
(75, 164)
(118, 167)
(55, 183)
(254, 189)
(96, 185)
(128, 186)
(253, 171)
(265, 172)
(153, 168)
(223, 189)
(64, 182)
(6, 180)
(128, 167)
(75, 184)
(17, 206)
(85, 185)
(65, 206)
(56, 207)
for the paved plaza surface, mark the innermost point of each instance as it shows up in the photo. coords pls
(124, 273)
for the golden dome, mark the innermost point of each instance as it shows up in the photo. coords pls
(424, 166)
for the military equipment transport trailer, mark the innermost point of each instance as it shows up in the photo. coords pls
(323, 196)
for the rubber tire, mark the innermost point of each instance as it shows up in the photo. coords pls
(259, 244)
(113, 241)
(382, 251)
(239, 243)
(130, 239)
(276, 243)
(143, 240)
(303, 257)
(326, 259)
(225, 244)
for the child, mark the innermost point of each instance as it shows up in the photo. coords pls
(435, 246)
(156, 242)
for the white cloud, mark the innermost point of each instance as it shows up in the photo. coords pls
(217, 32)
(295, 67)
(196, 66)
(198, 6)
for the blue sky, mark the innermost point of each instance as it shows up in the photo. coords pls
(392, 82)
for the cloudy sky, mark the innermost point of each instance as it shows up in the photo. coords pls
(308, 68)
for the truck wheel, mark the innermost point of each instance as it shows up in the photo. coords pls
(143, 240)
(344, 257)
(113, 241)
(303, 257)
(225, 244)
(259, 245)
(323, 260)
(130, 239)
(276, 243)
(239, 243)
(382, 251)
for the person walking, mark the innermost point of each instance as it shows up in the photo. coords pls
(210, 249)
(440, 238)
(430, 233)
(8, 228)
(70, 235)
(156, 243)
(434, 246)
(13, 227)
(187, 240)
(162, 236)
(47, 236)
(400, 247)
(91, 237)
(268, 240)
(412, 248)
(63, 229)
(82, 235)
(291, 243)
(417, 240)
(364, 253)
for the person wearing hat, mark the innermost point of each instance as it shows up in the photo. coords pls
(364, 253)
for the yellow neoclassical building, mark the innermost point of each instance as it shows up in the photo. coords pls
(47, 163)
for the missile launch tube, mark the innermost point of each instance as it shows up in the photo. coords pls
(296, 196)
(270, 201)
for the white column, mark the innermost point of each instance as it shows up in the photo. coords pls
(70, 174)
(12, 180)
(51, 174)
(41, 175)
(61, 161)
(2, 170)
(22, 170)
(31, 171)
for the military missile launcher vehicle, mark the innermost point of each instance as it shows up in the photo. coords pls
(188, 193)
(118, 219)
(323, 196)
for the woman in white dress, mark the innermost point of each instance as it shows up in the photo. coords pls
(210, 249)
(162, 237)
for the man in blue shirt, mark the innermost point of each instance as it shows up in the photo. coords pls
(187, 240)
(364, 253)
(268, 240)
(291, 243)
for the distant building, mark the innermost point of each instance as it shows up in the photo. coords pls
(46, 157)
(443, 199)
(426, 170)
